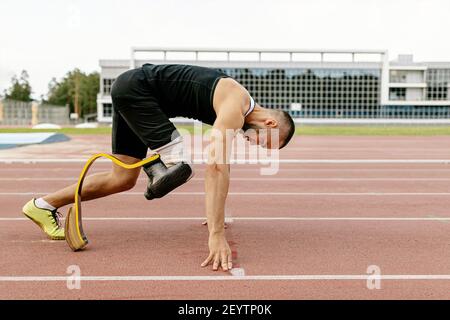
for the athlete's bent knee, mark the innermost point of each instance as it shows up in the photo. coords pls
(128, 184)
(121, 184)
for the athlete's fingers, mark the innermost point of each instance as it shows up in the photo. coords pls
(216, 262)
(224, 260)
(207, 261)
(230, 262)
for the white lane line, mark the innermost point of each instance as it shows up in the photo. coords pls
(297, 277)
(434, 218)
(250, 169)
(439, 219)
(429, 218)
(321, 194)
(255, 161)
(237, 272)
(312, 193)
(262, 178)
(228, 217)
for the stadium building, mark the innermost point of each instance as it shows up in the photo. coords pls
(311, 84)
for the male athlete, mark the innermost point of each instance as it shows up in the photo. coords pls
(143, 101)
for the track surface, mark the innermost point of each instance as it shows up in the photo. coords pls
(310, 231)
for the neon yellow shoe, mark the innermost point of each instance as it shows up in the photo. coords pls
(47, 220)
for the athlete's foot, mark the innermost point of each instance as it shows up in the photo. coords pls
(46, 219)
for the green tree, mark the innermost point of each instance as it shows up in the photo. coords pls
(77, 89)
(20, 88)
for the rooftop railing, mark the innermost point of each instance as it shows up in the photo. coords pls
(258, 55)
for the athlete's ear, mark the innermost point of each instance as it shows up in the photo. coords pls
(271, 123)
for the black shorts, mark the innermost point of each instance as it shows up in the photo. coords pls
(139, 123)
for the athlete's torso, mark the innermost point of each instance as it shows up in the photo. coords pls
(184, 90)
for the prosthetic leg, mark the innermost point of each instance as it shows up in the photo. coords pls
(162, 180)
(166, 171)
(74, 234)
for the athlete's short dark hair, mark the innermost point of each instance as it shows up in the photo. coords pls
(287, 125)
(289, 122)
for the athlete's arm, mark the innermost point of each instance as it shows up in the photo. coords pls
(229, 119)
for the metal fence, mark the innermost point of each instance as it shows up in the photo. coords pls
(382, 112)
(53, 114)
(18, 113)
(15, 113)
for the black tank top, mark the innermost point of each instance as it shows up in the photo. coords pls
(184, 90)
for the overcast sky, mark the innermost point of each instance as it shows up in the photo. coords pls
(50, 37)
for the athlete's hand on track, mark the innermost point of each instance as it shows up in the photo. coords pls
(219, 253)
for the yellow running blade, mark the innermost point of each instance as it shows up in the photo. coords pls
(75, 237)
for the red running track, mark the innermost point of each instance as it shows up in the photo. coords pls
(288, 233)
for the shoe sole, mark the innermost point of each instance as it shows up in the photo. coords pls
(42, 228)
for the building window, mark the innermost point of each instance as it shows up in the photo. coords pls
(437, 93)
(415, 112)
(344, 93)
(397, 94)
(437, 84)
(107, 110)
(397, 76)
(107, 84)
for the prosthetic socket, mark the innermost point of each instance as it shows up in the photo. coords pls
(168, 172)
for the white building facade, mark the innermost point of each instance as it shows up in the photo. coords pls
(323, 84)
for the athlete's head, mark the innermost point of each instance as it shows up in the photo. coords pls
(269, 128)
